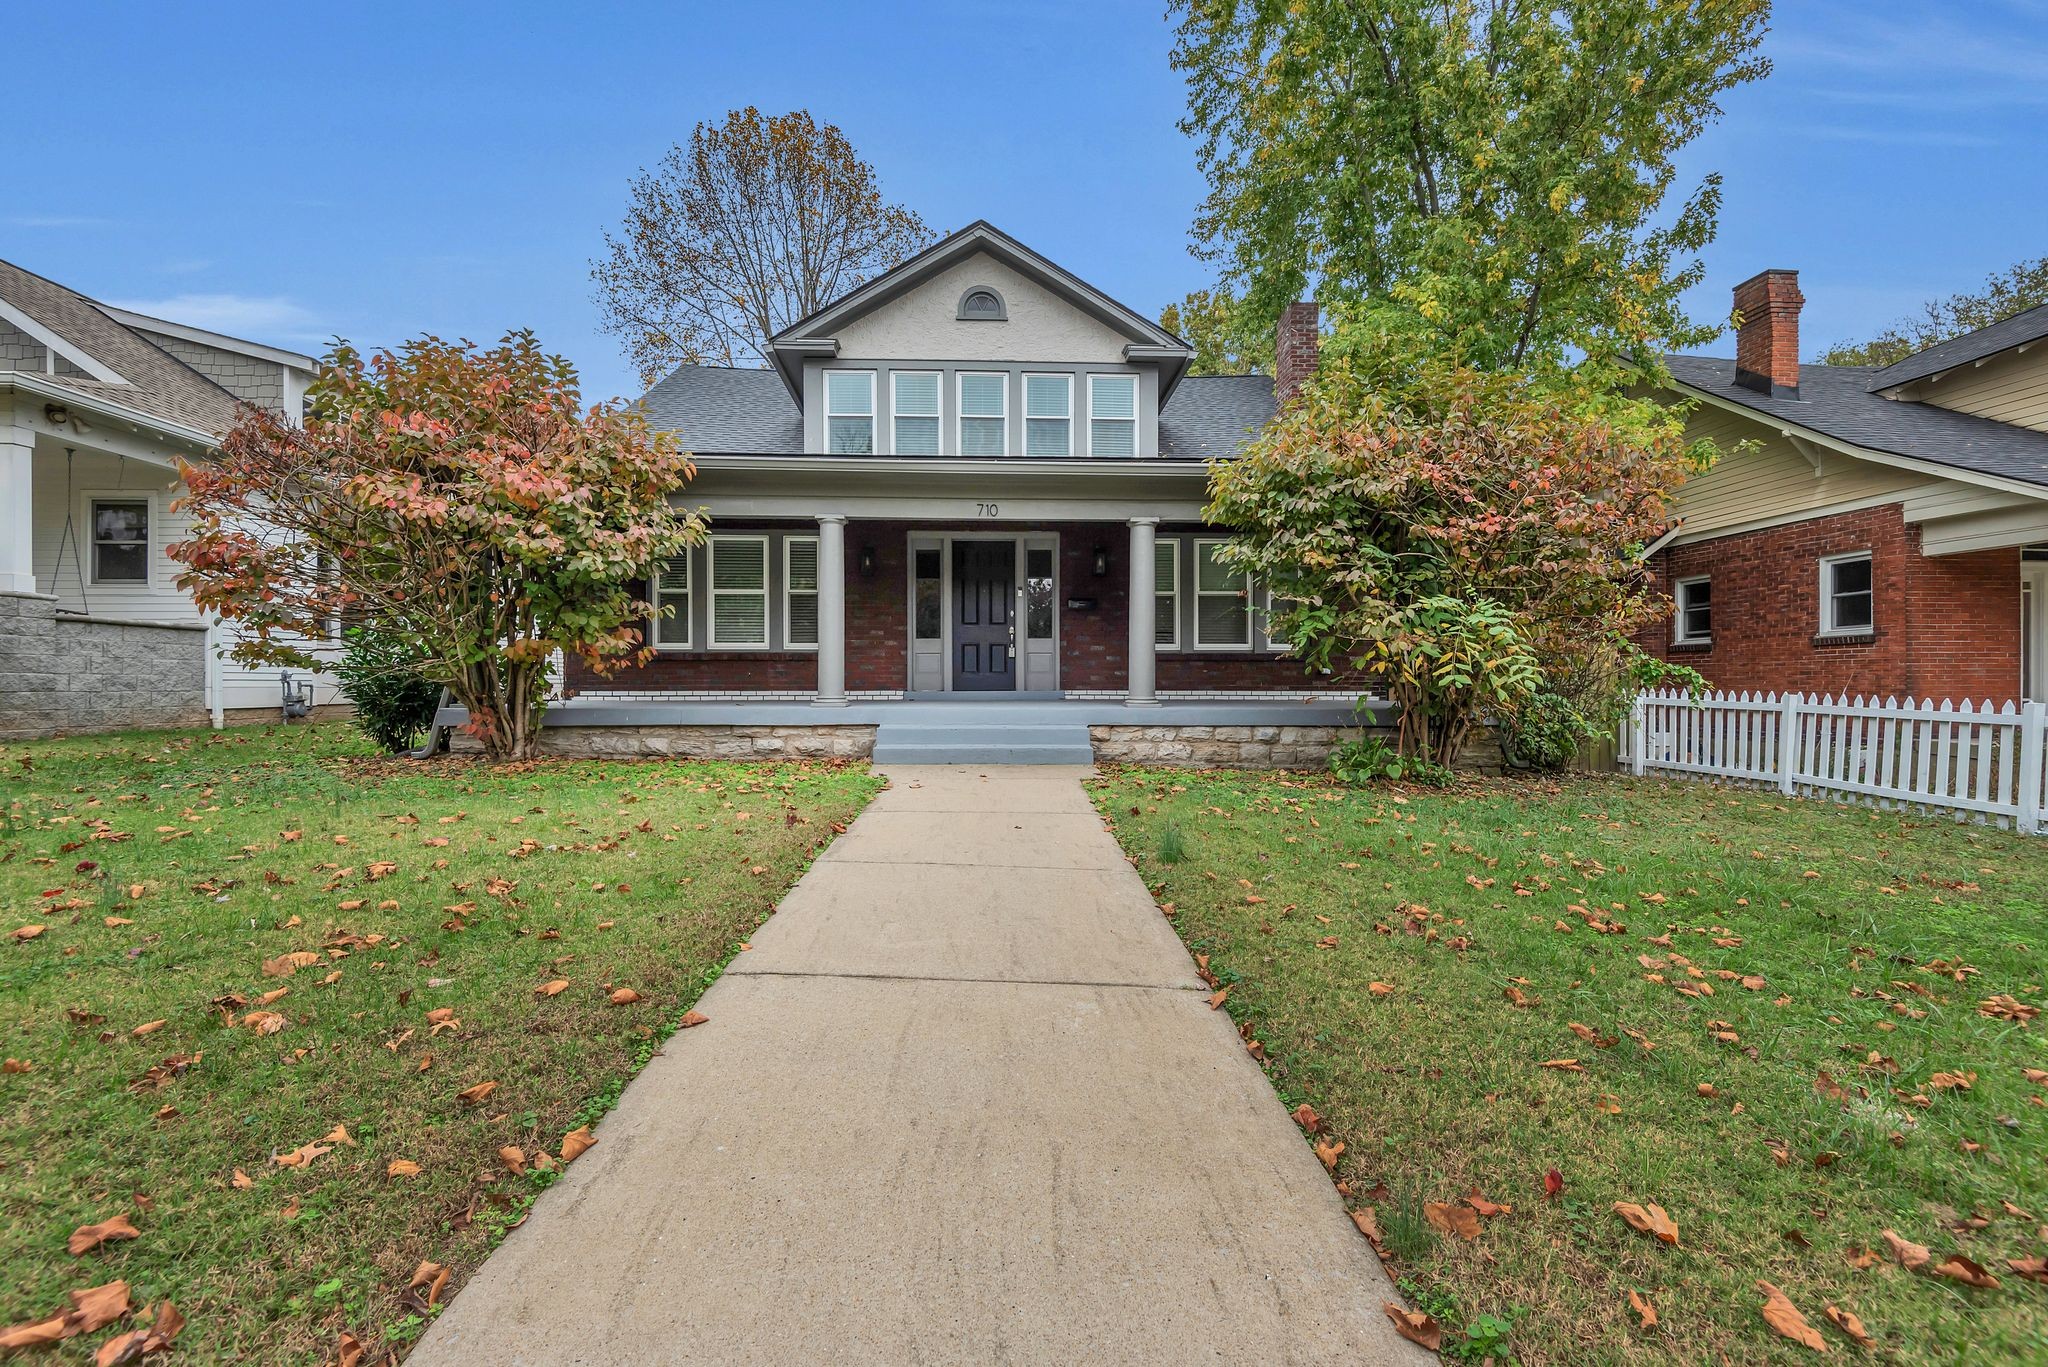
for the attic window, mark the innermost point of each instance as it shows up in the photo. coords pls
(983, 305)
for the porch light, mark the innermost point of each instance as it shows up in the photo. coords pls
(1101, 561)
(867, 562)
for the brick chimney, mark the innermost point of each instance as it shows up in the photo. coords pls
(1767, 333)
(1295, 345)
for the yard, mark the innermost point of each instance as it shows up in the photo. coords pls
(306, 1020)
(1791, 1026)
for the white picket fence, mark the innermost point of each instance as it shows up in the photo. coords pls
(1980, 761)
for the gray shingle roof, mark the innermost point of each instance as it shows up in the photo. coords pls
(715, 410)
(158, 384)
(2028, 325)
(1837, 401)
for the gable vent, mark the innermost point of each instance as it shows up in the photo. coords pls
(983, 305)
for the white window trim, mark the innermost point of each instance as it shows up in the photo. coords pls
(688, 595)
(872, 415)
(1262, 624)
(1068, 381)
(1827, 597)
(937, 416)
(789, 594)
(713, 592)
(1679, 635)
(1195, 583)
(90, 544)
(961, 416)
(1172, 590)
(1137, 393)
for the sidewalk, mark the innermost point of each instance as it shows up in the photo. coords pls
(962, 1102)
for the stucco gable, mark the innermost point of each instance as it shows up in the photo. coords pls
(923, 323)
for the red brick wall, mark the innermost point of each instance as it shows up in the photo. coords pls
(1945, 626)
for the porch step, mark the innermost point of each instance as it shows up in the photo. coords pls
(972, 741)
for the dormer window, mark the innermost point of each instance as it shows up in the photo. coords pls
(983, 305)
(850, 412)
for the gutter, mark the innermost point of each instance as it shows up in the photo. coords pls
(28, 381)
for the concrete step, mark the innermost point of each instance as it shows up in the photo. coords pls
(964, 753)
(964, 742)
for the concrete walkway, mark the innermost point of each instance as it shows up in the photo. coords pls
(963, 1102)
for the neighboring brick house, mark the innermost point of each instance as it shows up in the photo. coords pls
(97, 407)
(1866, 530)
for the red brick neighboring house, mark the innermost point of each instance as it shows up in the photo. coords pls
(1866, 530)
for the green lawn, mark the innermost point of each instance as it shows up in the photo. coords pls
(1784, 1121)
(173, 872)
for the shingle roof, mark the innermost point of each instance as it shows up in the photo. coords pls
(714, 410)
(1837, 401)
(2026, 326)
(158, 385)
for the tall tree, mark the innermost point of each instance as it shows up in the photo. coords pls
(1214, 323)
(1494, 172)
(2023, 286)
(760, 221)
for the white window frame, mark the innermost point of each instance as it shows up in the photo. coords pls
(1262, 623)
(937, 415)
(660, 600)
(1195, 584)
(871, 415)
(1171, 589)
(1137, 393)
(712, 592)
(1068, 381)
(1680, 634)
(789, 594)
(961, 417)
(1828, 564)
(150, 535)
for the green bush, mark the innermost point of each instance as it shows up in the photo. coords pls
(1371, 759)
(394, 704)
(1545, 733)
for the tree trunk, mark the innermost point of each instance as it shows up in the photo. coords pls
(505, 704)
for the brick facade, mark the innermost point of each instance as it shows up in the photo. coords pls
(1943, 626)
(1092, 642)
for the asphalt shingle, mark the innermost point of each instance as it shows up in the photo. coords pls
(2025, 326)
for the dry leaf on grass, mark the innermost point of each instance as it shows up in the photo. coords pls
(401, 1167)
(1416, 1327)
(1848, 1324)
(137, 1344)
(2034, 1269)
(1649, 1219)
(86, 1238)
(513, 1157)
(549, 989)
(624, 996)
(1957, 1268)
(1642, 1306)
(1911, 1256)
(302, 1155)
(433, 1278)
(1329, 1152)
(1379, 989)
(576, 1142)
(147, 1028)
(1452, 1218)
(471, 1096)
(1784, 1317)
(1485, 1207)
(34, 1334)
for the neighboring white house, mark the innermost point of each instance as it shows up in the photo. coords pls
(97, 406)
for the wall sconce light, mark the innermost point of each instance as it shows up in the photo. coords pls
(1101, 561)
(867, 562)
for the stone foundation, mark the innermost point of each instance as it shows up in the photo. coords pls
(65, 675)
(699, 742)
(1219, 747)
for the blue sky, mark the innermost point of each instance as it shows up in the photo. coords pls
(292, 172)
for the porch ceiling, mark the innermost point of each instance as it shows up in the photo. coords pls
(975, 492)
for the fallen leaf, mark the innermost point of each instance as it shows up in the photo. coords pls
(86, 1238)
(1553, 1183)
(549, 989)
(1416, 1327)
(28, 932)
(470, 1096)
(2034, 1269)
(1306, 1117)
(241, 1180)
(1219, 998)
(402, 1167)
(1367, 1220)
(147, 1028)
(1379, 989)
(1957, 1268)
(624, 996)
(1911, 1256)
(576, 1142)
(1485, 1207)
(433, 1277)
(1784, 1317)
(1329, 1152)
(1863, 1258)
(1452, 1218)
(1564, 1065)
(35, 1333)
(1643, 1307)
(1649, 1219)
(1848, 1324)
(691, 1020)
(302, 1155)
(513, 1157)
(265, 1022)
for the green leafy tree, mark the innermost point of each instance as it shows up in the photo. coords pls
(1495, 172)
(2005, 293)
(463, 501)
(1214, 324)
(1458, 534)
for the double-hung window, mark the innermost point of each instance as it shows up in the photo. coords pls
(984, 414)
(739, 592)
(1847, 602)
(672, 603)
(914, 406)
(1048, 415)
(850, 412)
(1112, 415)
(800, 591)
(120, 541)
(1166, 594)
(1695, 617)
(1223, 601)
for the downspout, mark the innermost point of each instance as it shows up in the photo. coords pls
(437, 736)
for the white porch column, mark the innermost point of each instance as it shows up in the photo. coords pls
(17, 507)
(1141, 663)
(831, 611)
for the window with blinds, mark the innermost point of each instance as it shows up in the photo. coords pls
(672, 604)
(1112, 415)
(800, 591)
(914, 408)
(984, 414)
(739, 592)
(1166, 594)
(850, 412)
(1223, 602)
(1048, 415)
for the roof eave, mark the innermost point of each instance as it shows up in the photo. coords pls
(28, 381)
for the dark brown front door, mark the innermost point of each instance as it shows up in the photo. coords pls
(984, 578)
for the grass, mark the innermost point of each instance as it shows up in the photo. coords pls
(168, 868)
(1875, 935)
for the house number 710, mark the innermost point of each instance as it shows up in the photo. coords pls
(985, 510)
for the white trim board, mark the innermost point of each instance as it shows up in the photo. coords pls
(60, 344)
